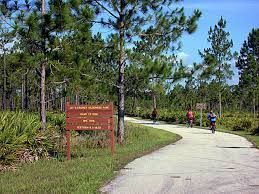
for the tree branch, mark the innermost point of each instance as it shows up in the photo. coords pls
(5, 20)
(98, 80)
(61, 82)
(101, 22)
(116, 17)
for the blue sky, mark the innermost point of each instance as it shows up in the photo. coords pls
(241, 17)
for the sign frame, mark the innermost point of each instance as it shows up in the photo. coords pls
(201, 106)
(89, 117)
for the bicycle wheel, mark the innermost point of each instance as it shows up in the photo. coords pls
(213, 129)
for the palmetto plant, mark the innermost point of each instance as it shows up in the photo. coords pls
(20, 136)
(16, 129)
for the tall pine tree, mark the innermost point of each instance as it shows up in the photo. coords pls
(129, 19)
(248, 66)
(217, 58)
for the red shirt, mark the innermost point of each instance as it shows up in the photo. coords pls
(190, 115)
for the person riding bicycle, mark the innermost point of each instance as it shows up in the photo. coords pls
(212, 118)
(190, 117)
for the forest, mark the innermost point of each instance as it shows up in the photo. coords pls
(52, 52)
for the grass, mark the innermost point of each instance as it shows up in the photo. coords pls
(89, 169)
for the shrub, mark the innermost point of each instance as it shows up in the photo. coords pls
(255, 130)
(21, 139)
(242, 124)
(16, 129)
(56, 120)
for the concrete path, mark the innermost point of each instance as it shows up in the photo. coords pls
(200, 162)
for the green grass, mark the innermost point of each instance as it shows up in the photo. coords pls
(89, 169)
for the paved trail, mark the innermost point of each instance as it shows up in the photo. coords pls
(200, 162)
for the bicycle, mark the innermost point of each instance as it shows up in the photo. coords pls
(213, 127)
(189, 123)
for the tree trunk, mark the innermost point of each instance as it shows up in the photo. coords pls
(77, 98)
(26, 100)
(121, 111)
(154, 100)
(43, 75)
(54, 99)
(13, 105)
(42, 96)
(240, 103)
(220, 105)
(61, 104)
(5, 86)
(65, 98)
(254, 105)
(134, 102)
(22, 92)
(11, 98)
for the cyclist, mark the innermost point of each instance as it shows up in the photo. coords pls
(190, 117)
(212, 118)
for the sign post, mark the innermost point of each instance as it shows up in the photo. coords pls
(201, 119)
(201, 106)
(89, 117)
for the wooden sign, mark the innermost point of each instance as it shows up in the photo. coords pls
(89, 117)
(200, 106)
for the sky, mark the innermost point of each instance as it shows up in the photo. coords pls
(241, 17)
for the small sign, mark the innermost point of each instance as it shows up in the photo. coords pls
(201, 106)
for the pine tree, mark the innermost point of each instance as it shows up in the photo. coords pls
(248, 66)
(35, 28)
(217, 58)
(128, 20)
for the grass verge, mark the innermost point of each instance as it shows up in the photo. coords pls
(89, 169)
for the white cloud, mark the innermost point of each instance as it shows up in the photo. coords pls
(184, 57)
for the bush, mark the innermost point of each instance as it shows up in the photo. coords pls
(16, 129)
(21, 139)
(240, 125)
(232, 120)
(57, 120)
(255, 130)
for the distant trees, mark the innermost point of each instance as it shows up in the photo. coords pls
(3, 44)
(39, 28)
(248, 66)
